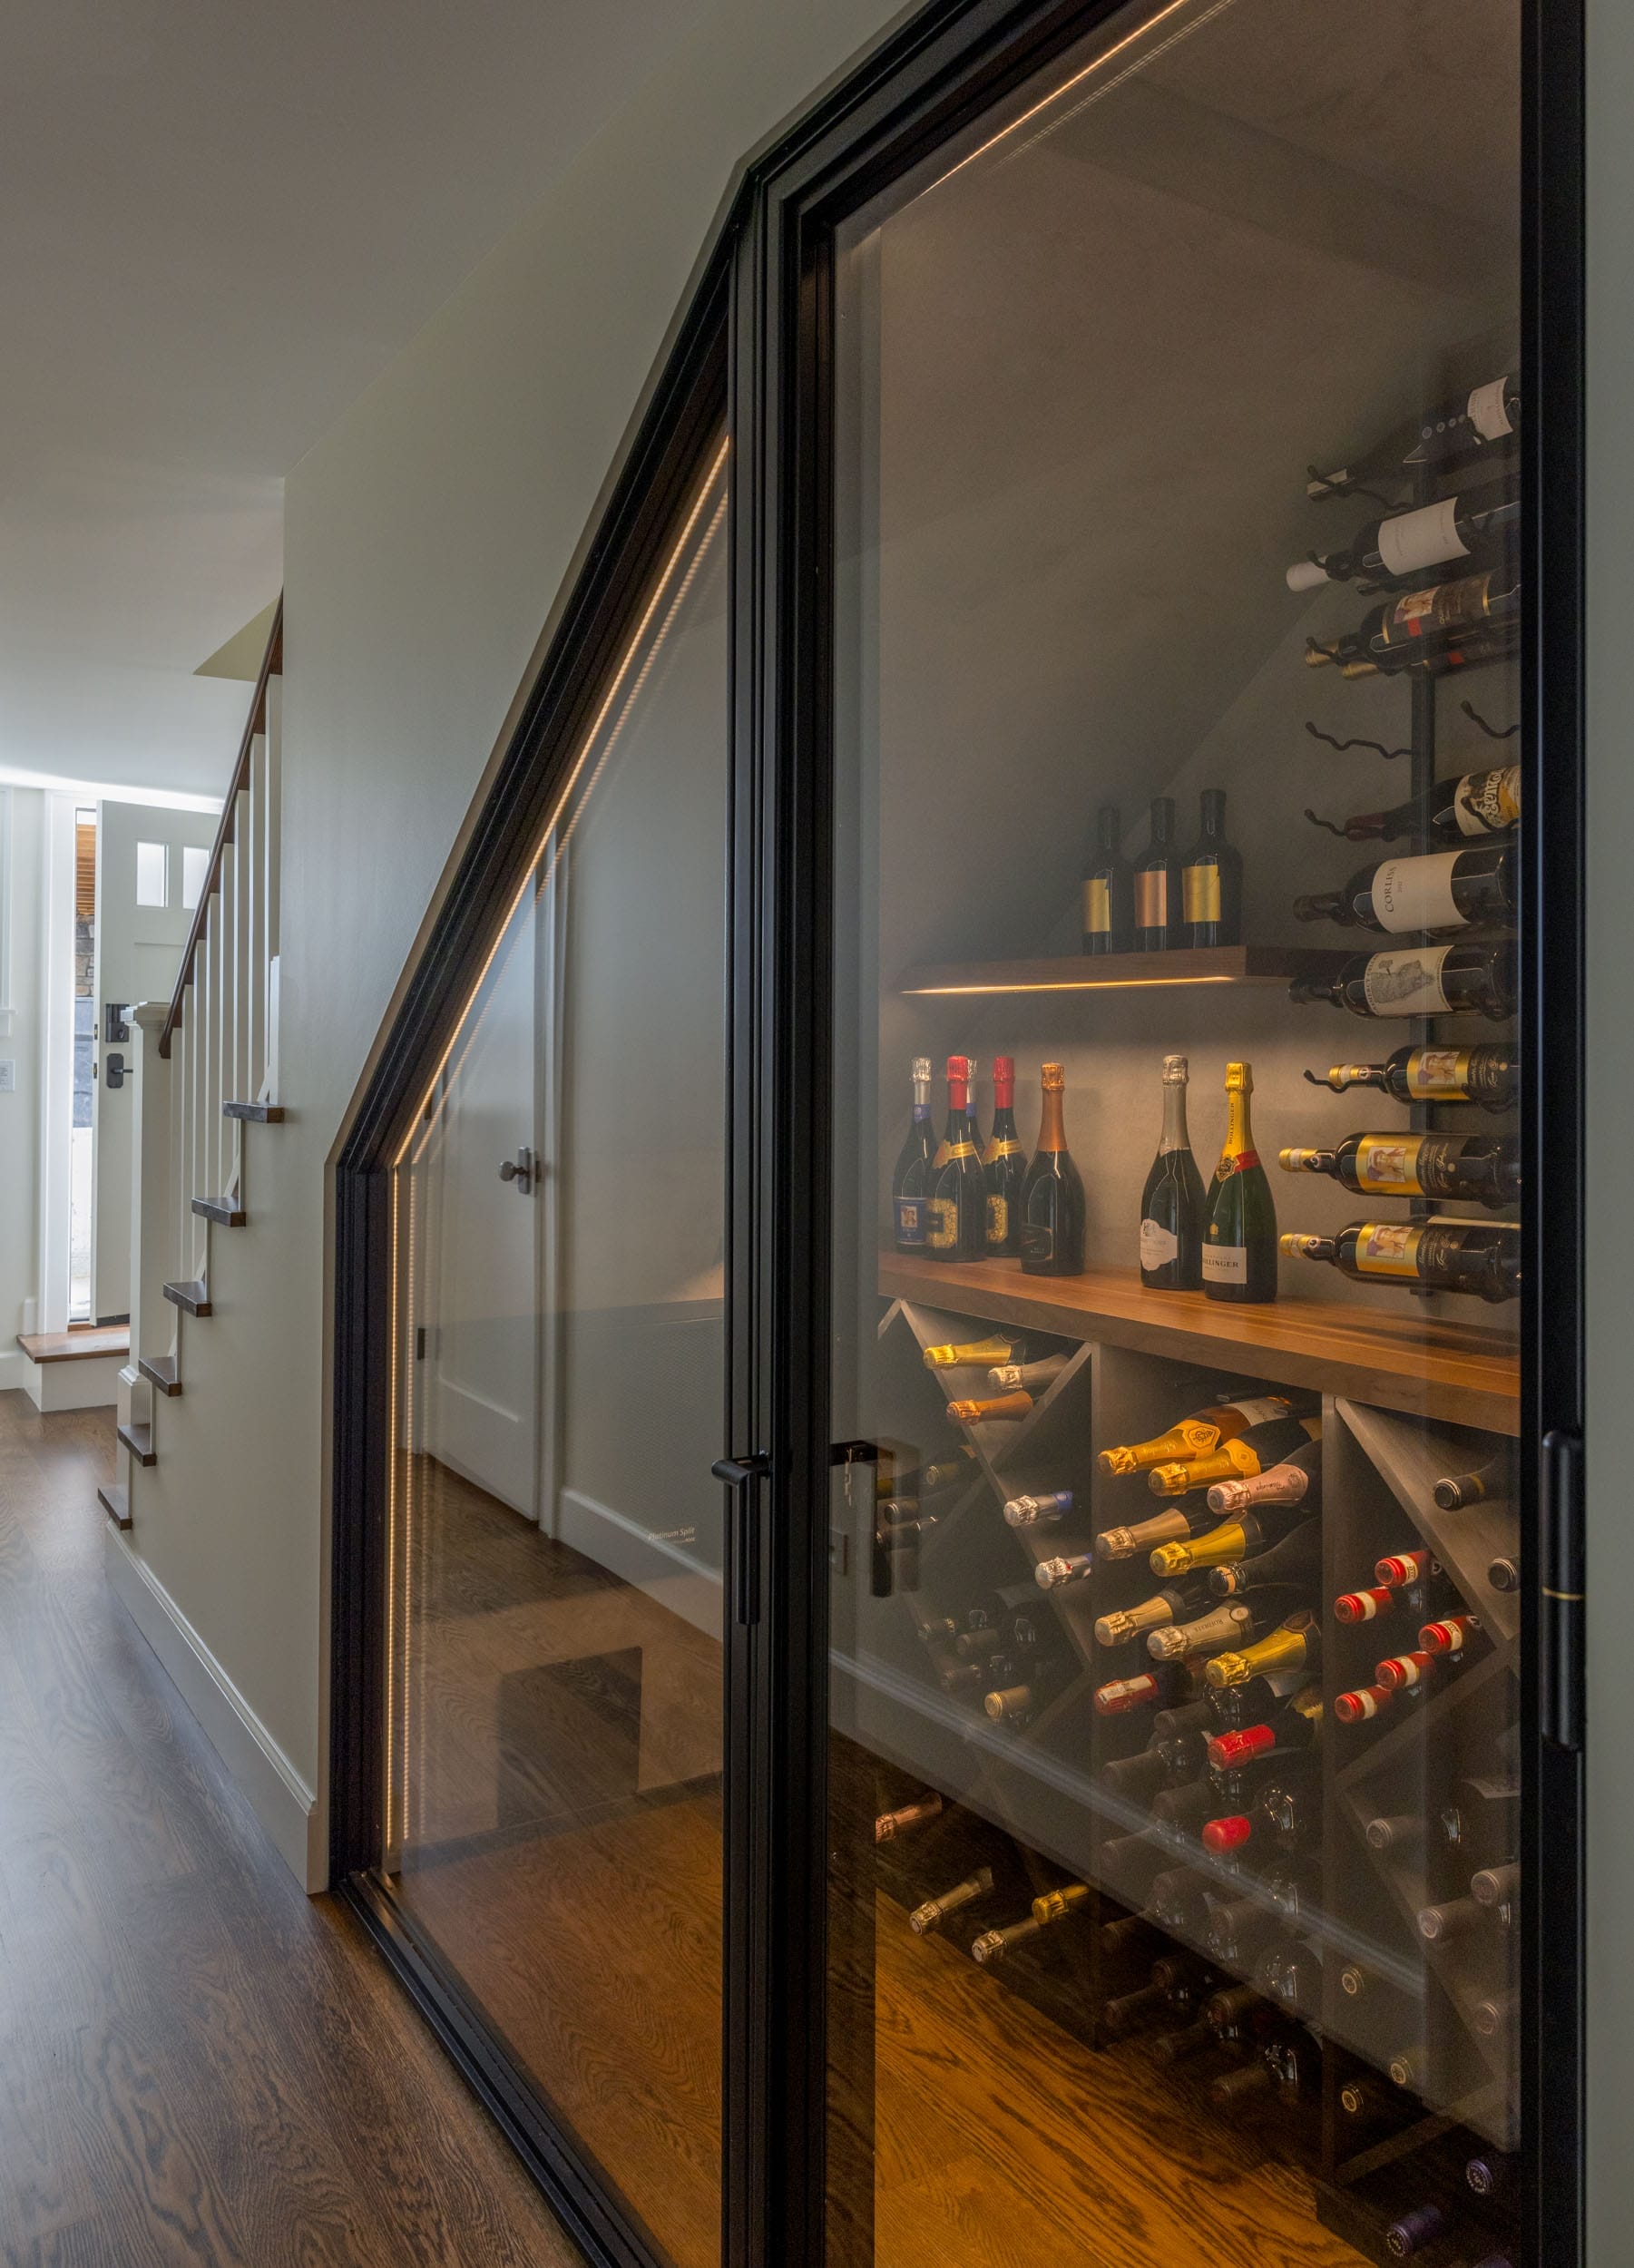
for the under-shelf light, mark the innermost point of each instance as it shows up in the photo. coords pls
(1062, 984)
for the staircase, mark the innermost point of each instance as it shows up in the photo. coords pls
(206, 1072)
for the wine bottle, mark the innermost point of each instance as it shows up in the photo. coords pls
(1051, 1907)
(1137, 1778)
(1052, 1200)
(1457, 1918)
(1297, 1724)
(1284, 1816)
(1473, 1168)
(1401, 1833)
(1496, 1885)
(1109, 888)
(934, 1911)
(1493, 2015)
(910, 1176)
(975, 1353)
(1252, 1452)
(1479, 1258)
(1237, 1929)
(991, 1408)
(1173, 1604)
(1039, 1511)
(1294, 1563)
(957, 1228)
(1503, 1575)
(1406, 2238)
(1003, 1165)
(1211, 880)
(1034, 1378)
(1171, 1205)
(1196, 1435)
(1232, 1541)
(1372, 1603)
(1292, 1977)
(902, 1821)
(1492, 2174)
(1174, 1526)
(1401, 542)
(1433, 893)
(1159, 910)
(1488, 417)
(1449, 1634)
(1452, 811)
(1456, 1489)
(1296, 1644)
(1363, 1703)
(1406, 1673)
(1421, 981)
(1121, 1696)
(1436, 624)
(1488, 1074)
(1072, 1568)
(1403, 1570)
(1239, 1239)
(1233, 1624)
(1297, 1480)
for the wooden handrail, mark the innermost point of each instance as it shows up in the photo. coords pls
(273, 662)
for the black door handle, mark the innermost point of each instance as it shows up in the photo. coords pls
(742, 1476)
(1560, 1618)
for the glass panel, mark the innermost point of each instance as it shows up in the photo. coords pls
(1175, 1759)
(195, 865)
(153, 874)
(554, 1717)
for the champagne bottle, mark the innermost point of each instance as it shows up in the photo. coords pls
(1174, 1526)
(1456, 1489)
(1473, 1168)
(1230, 1541)
(1171, 1207)
(1039, 1511)
(957, 1228)
(1297, 1645)
(1469, 427)
(1433, 893)
(1174, 1604)
(1437, 624)
(1479, 1258)
(1109, 888)
(1211, 880)
(1003, 1165)
(1252, 1452)
(934, 1911)
(975, 1353)
(1196, 1435)
(991, 1408)
(1421, 981)
(1072, 1568)
(902, 1821)
(1051, 1201)
(1051, 1907)
(911, 1176)
(1034, 1378)
(1160, 914)
(1452, 811)
(1239, 1239)
(1294, 1563)
(1488, 1074)
(1297, 1724)
(1233, 1624)
(1296, 1479)
(1401, 542)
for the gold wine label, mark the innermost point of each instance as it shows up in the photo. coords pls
(998, 1220)
(941, 1232)
(1389, 1248)
(1097, 907)
(1151, 900)
(1439, 1073)
(1488, 803)
(1200, 889)
(1387, 1164)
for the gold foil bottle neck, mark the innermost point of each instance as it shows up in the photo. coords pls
(1239, 1079)
(1176, 1071)
(1054, 1079)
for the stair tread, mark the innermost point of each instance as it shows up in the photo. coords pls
(258, 1113)
(138, 1441)
(191, 1294)
(161, 1370)
(115, 1502)
(221, 1210)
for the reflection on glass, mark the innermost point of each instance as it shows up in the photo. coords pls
(554, 1716)
(1174, 1765)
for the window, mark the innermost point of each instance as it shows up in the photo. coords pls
(195, 865)
(153, 874)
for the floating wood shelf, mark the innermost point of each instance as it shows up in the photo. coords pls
(116, 1502)
(138, 1441)
(160, 1371)
(1121, 971)
(192, 1297)
(1462, 1374)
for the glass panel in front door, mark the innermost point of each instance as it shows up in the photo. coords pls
(1175, 1762)
(554, 1715)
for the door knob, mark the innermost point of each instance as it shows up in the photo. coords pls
(519, 1169)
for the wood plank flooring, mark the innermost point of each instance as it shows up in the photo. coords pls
(199, 2064)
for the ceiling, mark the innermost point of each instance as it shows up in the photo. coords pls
(217, 226)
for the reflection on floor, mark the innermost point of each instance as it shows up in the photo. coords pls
(594, 1942)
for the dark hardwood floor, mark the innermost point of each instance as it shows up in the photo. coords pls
(198, 2064)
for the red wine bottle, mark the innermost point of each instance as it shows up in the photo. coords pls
(1488, 1074)
(911, 1176)
(1479, 1258)
(1211, 880)
(1053, 1205)
(1470, 1169)
(1440, 623)
(1435, 893)
(1109, 888)
(1159, 912)
(1469, 427)
(1401, 543)
(1421, 981)
(1452, 811)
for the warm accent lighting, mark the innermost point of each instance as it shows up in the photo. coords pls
(1061, 984)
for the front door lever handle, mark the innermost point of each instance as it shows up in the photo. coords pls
(741, 1475)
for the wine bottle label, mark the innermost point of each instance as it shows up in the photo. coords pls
(1151, 900)
(1421, 539)
(1406, 983)
(1487, 412)
(1200, 893)
(1439, 1073)
(1389, 1248)
(912, 1223)
(1225, 1264)
(998, 1220)
(1417, 893)
(1261, 1413)
(1235, 1161)
(1388, 1163)
(942, 1227)
(1488, 803)
(1159, 1245)
(1038, 1240)
(1097, 907)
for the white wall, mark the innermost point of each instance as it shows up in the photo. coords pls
(428, 536)
(20, 1110)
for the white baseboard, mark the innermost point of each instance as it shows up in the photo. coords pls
(655, 1563)
(280, 1799)
(15, 1368)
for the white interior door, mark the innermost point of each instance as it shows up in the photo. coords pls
(482, 1418)
(150, 864)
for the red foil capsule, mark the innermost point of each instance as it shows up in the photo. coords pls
(1450, 1636)
(1365, 1606)
(1405, 1670)
(1124, 1694)
(1222, 1836)
(1406, 1567)
(1227, 1750)
(1355, 1708)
